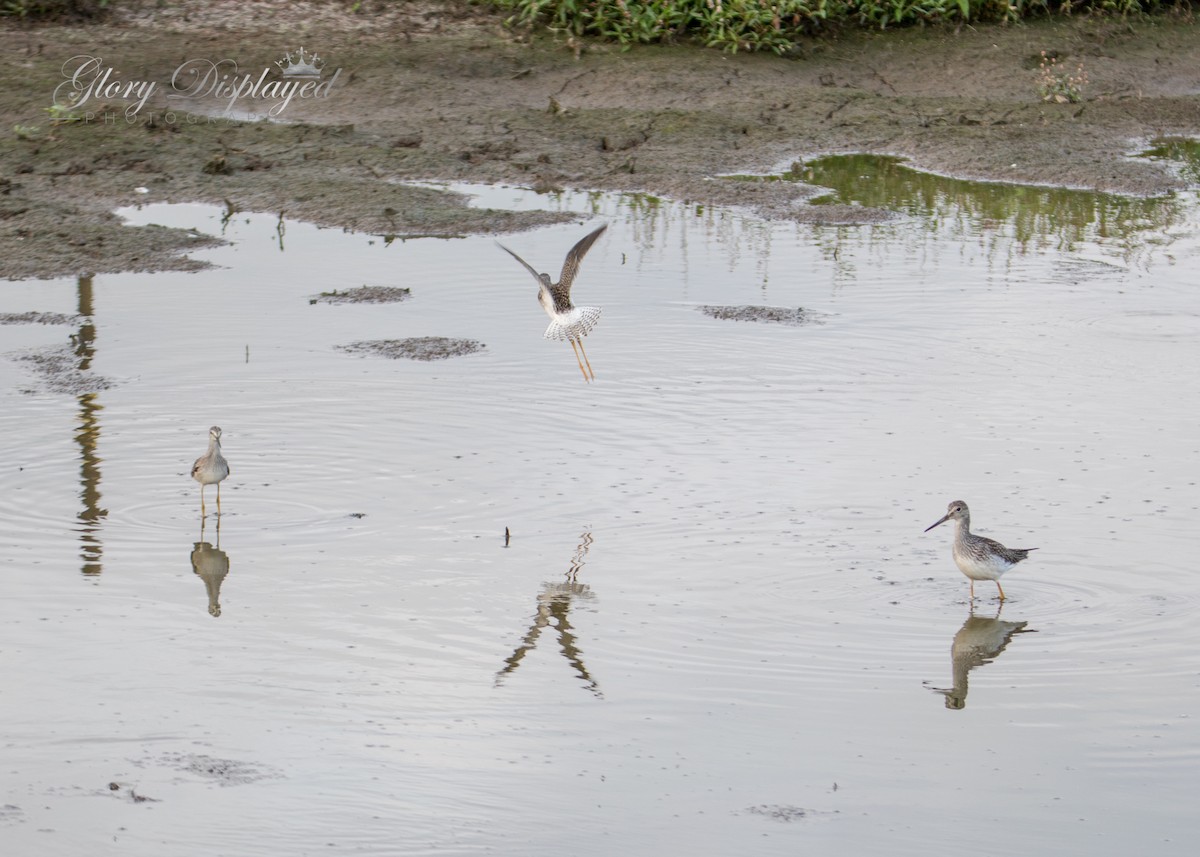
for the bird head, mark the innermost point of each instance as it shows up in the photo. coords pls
(956, 511)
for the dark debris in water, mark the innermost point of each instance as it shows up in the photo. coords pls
(10, 812)
(364, 295)
(37, 318)
(227, 772)
(59, 370)
(780, 812)
(417, 348)
(131, 795)
(793, 316)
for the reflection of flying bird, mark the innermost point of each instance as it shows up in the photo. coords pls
(979, 558)
(567, 321)
(979, 641)
(211, 467)
(554, 608)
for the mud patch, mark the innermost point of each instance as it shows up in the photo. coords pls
(37, 318)
(781, 812)
(67, 237)
(790, 316)
(364, 295)
(58, 370)
(225, 772)
(418, 348)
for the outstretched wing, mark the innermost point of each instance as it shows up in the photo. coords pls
(528, 267)
(575, 256)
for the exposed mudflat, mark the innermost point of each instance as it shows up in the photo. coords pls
(57, 369)
(446, 91)
(792, 316)
(37, 318)
(416, 348)
(364, 295)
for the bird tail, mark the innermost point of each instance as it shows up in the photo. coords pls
(575, 324)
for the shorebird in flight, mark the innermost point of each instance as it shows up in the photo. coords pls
(567, 321)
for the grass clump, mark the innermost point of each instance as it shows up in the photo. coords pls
(54, 10)
(774, 25)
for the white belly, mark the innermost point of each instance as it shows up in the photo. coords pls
(985, 568)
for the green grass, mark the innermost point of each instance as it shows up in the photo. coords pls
(756, 25)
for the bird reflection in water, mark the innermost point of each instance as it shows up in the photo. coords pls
(211, 564)
(553, 608)
(979, 641)
(87, 435)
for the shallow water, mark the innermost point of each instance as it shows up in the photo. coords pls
(717, 626)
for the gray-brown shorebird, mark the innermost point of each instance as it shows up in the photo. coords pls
(567, 321)
(977, 557)
(211, 467)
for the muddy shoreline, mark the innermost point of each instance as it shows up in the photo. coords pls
(443, 91)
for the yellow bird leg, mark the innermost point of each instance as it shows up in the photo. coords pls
(589, 362)
(577, 360)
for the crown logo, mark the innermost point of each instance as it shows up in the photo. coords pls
(305, 65)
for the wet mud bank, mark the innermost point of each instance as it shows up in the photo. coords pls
(445, 91)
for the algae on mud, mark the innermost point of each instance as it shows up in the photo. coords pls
(1036, 213)
(1180, 152)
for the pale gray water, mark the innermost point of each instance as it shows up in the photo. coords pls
(749, 658)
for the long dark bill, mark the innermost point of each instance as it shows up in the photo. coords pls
(941, 520)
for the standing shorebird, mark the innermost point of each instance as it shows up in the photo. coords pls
(567, 321)
(211, 467)
(976, 557)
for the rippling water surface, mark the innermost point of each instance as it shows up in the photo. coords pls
(716, 627)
